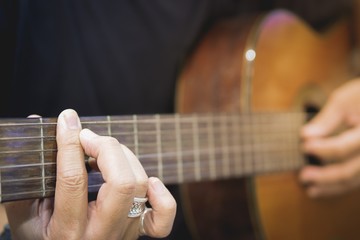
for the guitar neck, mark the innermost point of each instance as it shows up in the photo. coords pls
(176, 148)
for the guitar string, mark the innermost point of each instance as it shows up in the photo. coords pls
(151, 118)
(187, 139)
(171, 155)
(168, 177)
(186, 135)
(267, 145)
(170, 169)
(186, 165)
(285, 165)
(271, 145)
(265, 127)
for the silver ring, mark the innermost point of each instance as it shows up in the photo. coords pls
(137, 207)
(142, 218)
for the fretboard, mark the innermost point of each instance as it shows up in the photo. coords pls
(176, 148)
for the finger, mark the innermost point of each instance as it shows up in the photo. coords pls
(158, 222)
(117, 193)
(325, 122)
(332, 179)
(139, 172)
(338, 147)
(70, 210)
(328, 190)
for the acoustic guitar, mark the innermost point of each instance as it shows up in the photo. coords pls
(271, 63)
(233, 145)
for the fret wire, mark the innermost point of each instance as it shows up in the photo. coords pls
(136, 140)
(224, 141)
(42, 157)
(195, 126)
(236, 140)
(109, 125)
(266, 138)
(158, 140)
(255, 139)
(179, 149)
(248, 142)
(288, 143)
(211, 146)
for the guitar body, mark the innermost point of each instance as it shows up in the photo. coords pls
(294, 67)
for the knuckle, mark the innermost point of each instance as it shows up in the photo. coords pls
(73, 180)
(124, 187)
(142, 185)
(69, 140)
(111, 141)
(171, 205)
(168, 205)
(337, 95)
(338, 151)
(107, 143)
(346, 176)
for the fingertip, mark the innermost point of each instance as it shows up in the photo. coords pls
(68, 111)
(87, 134)
(312, 130)
(308, 174)
(160, 196)
(87, 138)
(309, 146)
(157, 185)
(69, 119)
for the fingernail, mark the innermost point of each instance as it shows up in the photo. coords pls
(157, 185)
(72, 120)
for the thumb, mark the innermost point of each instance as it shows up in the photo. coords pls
(71, 181)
